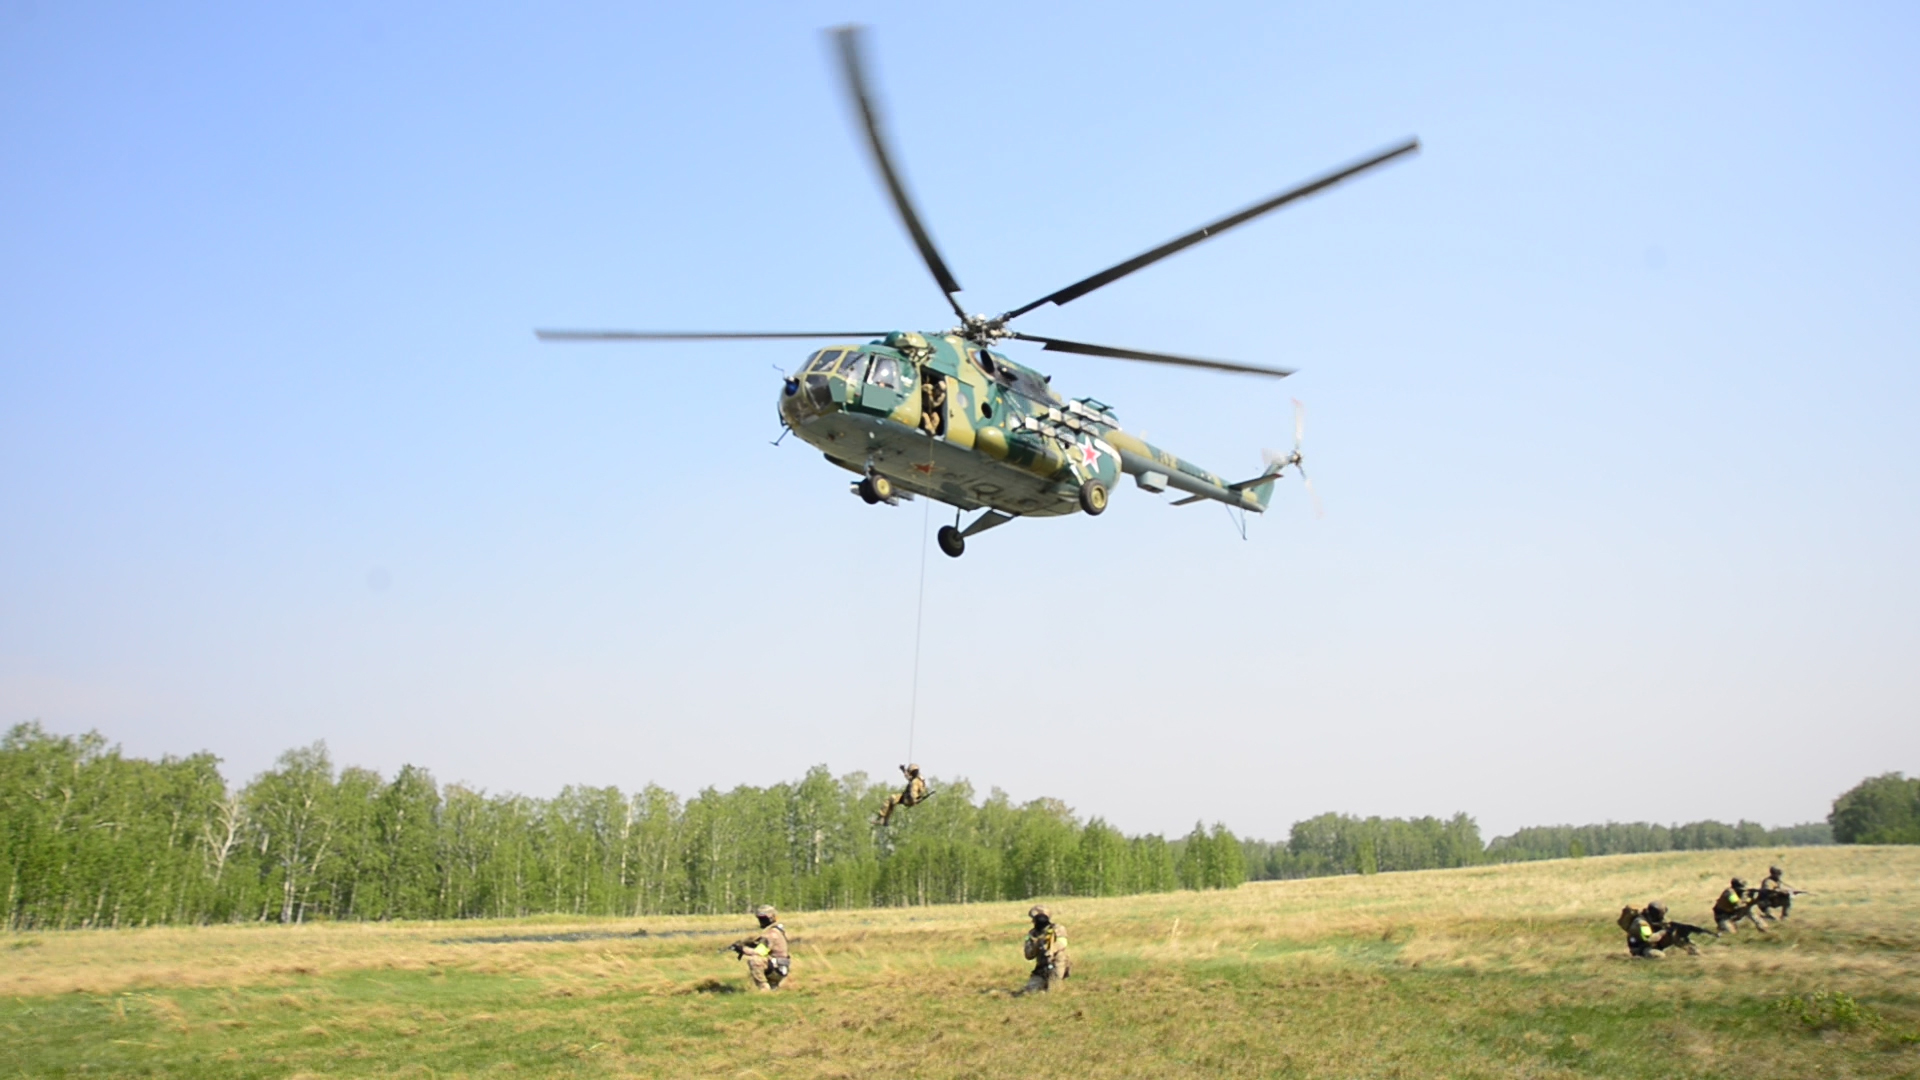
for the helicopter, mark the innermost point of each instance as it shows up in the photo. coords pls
(947, 415)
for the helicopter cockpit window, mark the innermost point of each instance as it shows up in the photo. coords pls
(886, 372)
(854, 365)
(824, 360)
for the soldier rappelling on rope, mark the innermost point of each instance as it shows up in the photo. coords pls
(913, 794)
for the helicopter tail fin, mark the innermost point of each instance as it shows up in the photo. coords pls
(1264, 493)
(1261, 487)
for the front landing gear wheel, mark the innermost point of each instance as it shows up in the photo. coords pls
(876, 489)
(1093, 498)
(952, 544)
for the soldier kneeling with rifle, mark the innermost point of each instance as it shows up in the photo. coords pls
(1674, 934)
(1776, 895)
(1046, 946)
(768, 964)
(1650, 933)
(1734, 904)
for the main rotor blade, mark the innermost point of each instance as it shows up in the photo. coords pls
(1115, 273)
(853, 70)
(697, 335)
(1057, 345)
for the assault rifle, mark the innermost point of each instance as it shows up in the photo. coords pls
(1683, 931)
(1043, 949)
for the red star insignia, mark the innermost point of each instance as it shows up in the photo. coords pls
(926, 469)
(1089, 456)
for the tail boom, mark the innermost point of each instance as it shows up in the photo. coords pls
(1156, 470)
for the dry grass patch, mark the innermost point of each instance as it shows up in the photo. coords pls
(1492, 971)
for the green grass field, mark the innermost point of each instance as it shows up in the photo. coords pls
(1488, 972)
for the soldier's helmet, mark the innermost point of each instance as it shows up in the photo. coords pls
(1738, 883)
(765, 911)
(1657, 911)
(1775, 872)
(913, 770)
(1037, 911)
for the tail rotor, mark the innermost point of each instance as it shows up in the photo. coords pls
(1278, 462)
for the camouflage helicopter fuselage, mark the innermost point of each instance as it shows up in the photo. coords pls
(944, 416)
(1002, 438)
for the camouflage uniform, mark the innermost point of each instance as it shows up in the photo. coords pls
(1046, 946)
(768, 963)
(911, 795)
(1774, 894)
(933, 404)
(1734, 905)
(1666, 936)
(1642, 938)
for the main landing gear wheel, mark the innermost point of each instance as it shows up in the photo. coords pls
(1093, 498)
(952, 544)
(876, 489)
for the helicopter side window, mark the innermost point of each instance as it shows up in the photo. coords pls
(886, 372)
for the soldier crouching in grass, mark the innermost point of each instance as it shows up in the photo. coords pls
(766, 952)
(1642, 938)
(1775, 895)
(1650, 934)
(1734, 904)
(1046, 946)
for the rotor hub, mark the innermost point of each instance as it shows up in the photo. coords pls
(982, 330)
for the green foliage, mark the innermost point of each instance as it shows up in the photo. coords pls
(89, 838)
(1210, 860)
(1344, 844)
(1825, 1010)
(1640, 837)
(1879, 810)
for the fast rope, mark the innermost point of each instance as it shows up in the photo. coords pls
(919, 617)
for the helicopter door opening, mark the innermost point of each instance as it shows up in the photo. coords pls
(933, 403)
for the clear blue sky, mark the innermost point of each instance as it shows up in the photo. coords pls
(1612, 399)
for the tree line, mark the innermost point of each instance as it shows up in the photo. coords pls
(90, 838)
(1636, 837)
(1881, 809)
